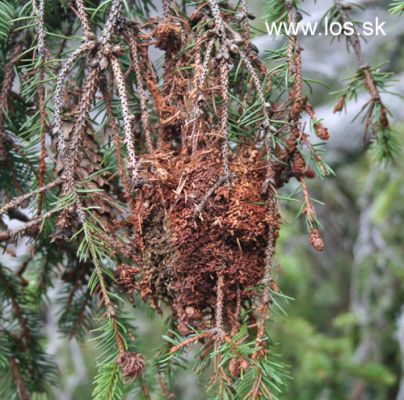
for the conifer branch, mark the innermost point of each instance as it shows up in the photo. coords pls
(41, 52)
(19, 200)
(224, 82)
(142, 94)
(117, 141)
(127, 120)
(370, 82)
(25, 331)
(21, 389)
(58, 102)
(71, 158)
(12, 234)
(112, 22)
(310, 213)
(88, 34)
(4, 97)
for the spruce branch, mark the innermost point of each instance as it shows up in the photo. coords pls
(41, 53)
(19, 200)
(206, 61)
(88, 34)
(113, 19)
(117, 141)
(142, 94)
(224, 82)
(21, 389)
(18, 312)
(189, 341)
(6, 85)
(243, 16)
(127, 120)
(375, 108)
(58, 94)
(12, 234)
(71, 158)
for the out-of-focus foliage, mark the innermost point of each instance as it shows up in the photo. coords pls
(397, 7)
(321, 338)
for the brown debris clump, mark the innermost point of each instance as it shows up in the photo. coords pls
(169, 36)
(229, 236)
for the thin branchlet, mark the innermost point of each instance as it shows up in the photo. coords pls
(88, 34)
(224, 82)
(71, 158)
(110, 26)
(58, 96)
(141, 91)
(215, 8)
(127, 119)
(12, 234)
(117, 140)
(243, 16)
(41, 30)
(41, 54)
(19, 200)
(6, 86)
(205, 65)
(369, 79)
(199, 208)
(19, 380)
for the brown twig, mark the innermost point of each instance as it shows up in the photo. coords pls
(14, 233)
(127, 119)
(84, 20)
(5, 96)
(19, 380)
(41, 51)
(117, 141)
(26, 333)
(142, 94)
(18, 200)
(71, 158)
(190, 340)
(369, 80)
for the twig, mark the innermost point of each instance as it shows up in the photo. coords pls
(67, 66)
(70, 160)
(18, 200)
(4, 96)
(13, 233)
(190, 340)
(41, 50)
(224, 83)
(111, 23)
(142, 93)
(19, 380)
(370, 83)
(84, 20)
(219, 306)
(216, 185)
(25, 332)
(117, 141)
(127, 118)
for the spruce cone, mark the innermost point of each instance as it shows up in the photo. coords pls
(340, 105)
(322, 132)
(316, 240)
(131, 364)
